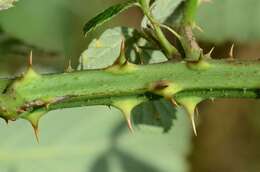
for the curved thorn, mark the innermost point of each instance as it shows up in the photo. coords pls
(208, 55)
(173, 101)
(198, 28)
(30, 59)
(193, 124)
(36, 132)
(231, 52)
(129, 125)
(190, 103)
(33, 118)
(126, 106)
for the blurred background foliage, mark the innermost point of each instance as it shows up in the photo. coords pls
(95, 138)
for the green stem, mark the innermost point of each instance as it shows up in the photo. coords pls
(206, 79)
(168, 48)
(190, 10)
(188, 41)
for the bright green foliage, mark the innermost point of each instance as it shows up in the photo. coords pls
(5, 4)
(224, 20)
(107, 15)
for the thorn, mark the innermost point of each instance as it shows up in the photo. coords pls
(190, 103)
(121, 60)
(30, 59)
(36, 133)
(69, 68)
(33, 118)
(198, 28)
(127, 115)
(173, 101)
(208, 55)
(193, 124)
(129, 125)
(126, 106)
(231, 52)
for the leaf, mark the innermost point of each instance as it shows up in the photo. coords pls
(107, 15)
(159, 113)
(168, 6)
(33, 26)
(81, 140)
(5, 4)
(104, 51)
(234, 20)
(51, 25)
(130, 163)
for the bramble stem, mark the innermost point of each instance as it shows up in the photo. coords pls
(206, 79)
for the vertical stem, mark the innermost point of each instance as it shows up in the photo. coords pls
(190, 11)
(188, 41)
(168, 48)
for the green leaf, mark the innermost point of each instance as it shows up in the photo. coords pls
(5, 4)
(52, 25)
(159, 113)
(92, 139)
(162, 9)
(104, 51)
(33, 26)
(234, 20)
(107, 15)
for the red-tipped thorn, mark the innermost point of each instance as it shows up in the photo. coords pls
(129, 125)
